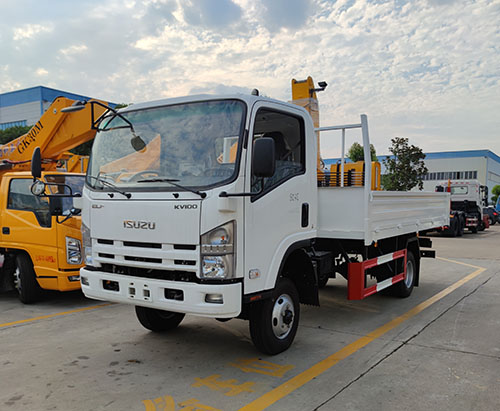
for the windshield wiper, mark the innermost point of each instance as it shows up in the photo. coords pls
(173, 181)
(111, 186)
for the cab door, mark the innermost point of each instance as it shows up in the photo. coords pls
(27, 225)
(281, 214)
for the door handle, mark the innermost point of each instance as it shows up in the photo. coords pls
(305, 215)
(5, 230)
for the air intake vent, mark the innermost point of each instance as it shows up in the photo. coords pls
(143, 259)
(103, 241)
(184, 247)
(141, 245)
(104, 255)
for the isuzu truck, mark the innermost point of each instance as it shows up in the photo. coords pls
(216, 206)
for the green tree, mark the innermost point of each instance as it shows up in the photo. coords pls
(11, 133)
(356, 153)
(496, 192)
(405, 168)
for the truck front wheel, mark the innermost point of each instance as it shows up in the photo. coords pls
(274, 322)
(25, 280)
(158, 320)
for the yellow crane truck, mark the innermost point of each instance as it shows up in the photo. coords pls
(40, 245)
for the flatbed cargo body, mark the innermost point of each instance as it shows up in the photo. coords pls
(343, 213)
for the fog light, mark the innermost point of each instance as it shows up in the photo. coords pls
(214, 299)
(84, 280)
(74, 278)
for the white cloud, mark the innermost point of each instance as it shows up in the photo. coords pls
(29, 31)
(424, 70)
(41, 72)
(75, 49)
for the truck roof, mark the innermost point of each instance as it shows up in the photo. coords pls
(247, 98)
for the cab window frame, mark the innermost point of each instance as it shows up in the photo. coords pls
(302, 142)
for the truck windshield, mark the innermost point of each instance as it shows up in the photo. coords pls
(194, 145)
(63, 184)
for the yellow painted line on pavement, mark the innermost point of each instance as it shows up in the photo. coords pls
(304, 377)
(44, 317)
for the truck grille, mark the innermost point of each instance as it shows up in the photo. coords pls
(147, 256)
(177, 275)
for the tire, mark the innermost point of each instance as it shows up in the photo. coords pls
(461, 227)
(274, 322)
(404, 288)
(456, 228)
(473, 230)
(323, 280)
(29, 291)
(158, 320)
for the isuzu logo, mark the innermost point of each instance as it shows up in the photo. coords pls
(140, 225)
(185, 206)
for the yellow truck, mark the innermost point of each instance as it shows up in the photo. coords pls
(40, 238)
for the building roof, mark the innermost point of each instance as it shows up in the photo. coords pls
(38, 93)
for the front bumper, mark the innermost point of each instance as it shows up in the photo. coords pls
(152, 293)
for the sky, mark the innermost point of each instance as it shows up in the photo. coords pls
(427, 70)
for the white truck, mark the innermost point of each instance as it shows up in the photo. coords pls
(213, 206)
(468, 197)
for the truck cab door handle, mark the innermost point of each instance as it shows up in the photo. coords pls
(5, 230)
(305, 215)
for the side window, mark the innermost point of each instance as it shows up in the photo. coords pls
(21, 198)
(287, 131)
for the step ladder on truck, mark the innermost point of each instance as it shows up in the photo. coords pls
(40, 245)
(220, 207)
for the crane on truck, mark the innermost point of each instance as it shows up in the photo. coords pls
(249, 233)
(40, 248)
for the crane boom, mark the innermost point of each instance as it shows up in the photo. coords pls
(55, 133)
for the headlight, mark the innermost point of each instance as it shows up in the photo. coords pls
(217, 253)
(87, 245)
(73, 251)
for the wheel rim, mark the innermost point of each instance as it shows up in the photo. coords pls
(283, 316)
(409, 274)
(17, 279)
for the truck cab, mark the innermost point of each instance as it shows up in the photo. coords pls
(40, 247)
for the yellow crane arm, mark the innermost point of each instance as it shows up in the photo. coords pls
(55, 133)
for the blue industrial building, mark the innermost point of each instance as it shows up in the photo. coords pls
(25, 107)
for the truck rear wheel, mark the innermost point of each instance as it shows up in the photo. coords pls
(274, 322)
(404, 288)
(461, 226)
(158, 320)
(25, 282)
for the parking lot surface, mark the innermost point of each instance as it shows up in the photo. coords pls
(438, 349)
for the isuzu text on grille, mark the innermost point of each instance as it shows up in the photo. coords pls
(144, 225)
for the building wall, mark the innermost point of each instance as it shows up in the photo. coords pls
(27, 112)
(483, 165)
(25, 107)
(469, 168)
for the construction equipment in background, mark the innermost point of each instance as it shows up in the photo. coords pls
(40, 246)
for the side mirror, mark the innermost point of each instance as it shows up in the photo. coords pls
(263, 164)
(36, 163)
(38, 188)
